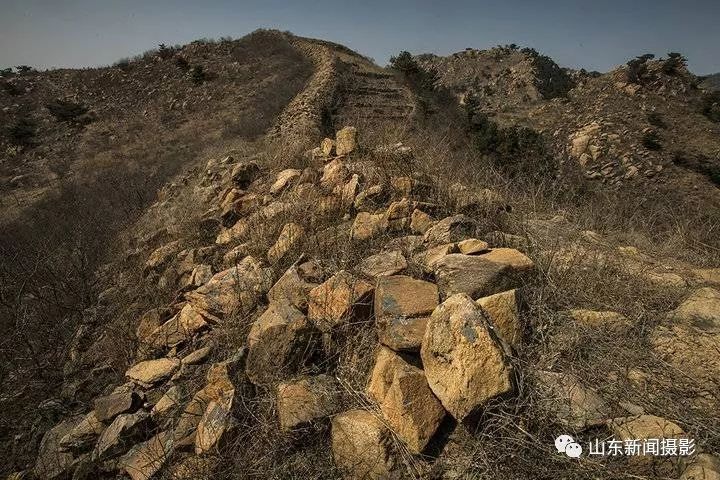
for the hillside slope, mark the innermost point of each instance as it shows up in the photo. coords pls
(359, 293)
(617, 127)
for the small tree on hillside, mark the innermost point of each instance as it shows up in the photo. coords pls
(637, 67)
(674, 61)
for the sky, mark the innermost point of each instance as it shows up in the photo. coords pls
(595, 35)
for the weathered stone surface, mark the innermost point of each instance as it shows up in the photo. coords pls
(346, 140)
(236, 233)
(361, 446)
(643, 427)
(218, 386)
(420, 222)
(700, 310)
(150, 372)
(470, 274)
(481, 275)
(514, 259)
(290, 237)
(429, 259)
(283, 179)
(122, 432)
(702, 467)
(575, 405)
(235, 255)
(370, 198)
(472, 246)
(348, 191)
(168, 403)
(295, 284)
(450, 230)
(244, 174)
(332, 302)
(197, 356)
(334, 174)
(464, 364)
(405, 399)
(181, 328)
(52, 460)
(327, 146)
(692, 352)
(402, 306)
(147, 458)
(689, 340)
(383, 264)
(236, 289)
(200, 275)
(109, 406)
(503, 312)
(304, 400)
(215, 422)
(83, 434)
(279, 341)
(368, 225)
(162, 255)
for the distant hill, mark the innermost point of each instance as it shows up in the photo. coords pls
(629, 124)
(711, 82)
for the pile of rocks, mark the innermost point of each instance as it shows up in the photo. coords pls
(444, 302)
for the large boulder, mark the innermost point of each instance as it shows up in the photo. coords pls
(481, 275)
(401, 390)
(464, 362)
(305, 400)
(235, 290)
(83, 434)
(341, 296)
(147, 458)
(368, 225)
(346, 140)
(290, 237)
(402, 308)
(278, 343)
(503, 311)
(689, 340)
(284, 179)
(383, 264)
(150, 372)
(361, 446)
(215, 422)
(109, 406)
(700, 310)
(124, 431)
(450, 230)
(573, 404)
(179, 329)
(295, 284)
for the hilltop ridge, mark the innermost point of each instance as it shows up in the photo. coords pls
(300, 264)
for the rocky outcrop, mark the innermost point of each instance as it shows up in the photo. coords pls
(464, 363)
(361, 446)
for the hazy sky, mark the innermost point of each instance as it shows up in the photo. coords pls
(597, 34)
